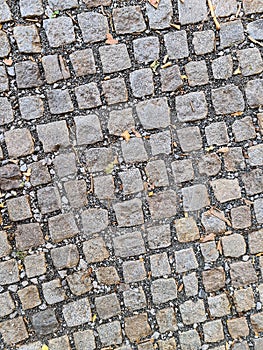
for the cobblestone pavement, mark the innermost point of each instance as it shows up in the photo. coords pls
(131, 175)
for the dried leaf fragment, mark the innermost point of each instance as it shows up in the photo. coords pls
(126, 135)
(207, 238)
(136, 133)
(166, 65)
(223, 150)
(155, 65)
(237, 71)
(44, 347)
(176, 26)
(154, 3)
(110, 40)
(8, 61)
(212, 11)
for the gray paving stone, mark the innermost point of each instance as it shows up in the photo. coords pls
(110, 333)
(59, 31)
(141, 81)
(104, 187)
(4, 82)
(128, 19)
(190, 138)
(161, 143)
(242, 274)
(204, 42)
(97, 159)
(163, 204)
(5, 47)
(10, 177)
(234, 245)
(31, 107)
(137, 327)
(222, 67)
(80, 283)
(195, 197)
(163, 290)
(39, 174)
(29, 297)
(255, 241)
(95, 250)
(185, 260)
(5, 13)
(233, 159)
(88, 129)
(225, 8)
(6, 113)
(243, 129)
(231, 33)
(209, 164)
(107, 306)
(120, 121)
(254, 92)
(244, 299)
(161, 17)
(257, 322)
(84, 340)
(83, 62)
(35, 265)
(160, 265)
(227, 100)
(253, 181)
(193, 312)
(219, 305)
(7, 304)
(134, 151)
(159, 236)
(216, 134)
(252, 7)
(76, 191)
(114, 58)
(131, 181)
(13, 331)
(5, 247)
(129, 244)
(171, 79)
(238, 327)
(190, 338)
(27, 75)
(94, 220)
(49, 199)
(55, 68)
(255, 155)
(27, 39)
(197, 73)
(190, 282)
(134, 299)
(53, 291)
(167, 344)
(133, 271)
(94, 26)
(209, 251)
(53, 135)
(186, 229)
(154, 113)
(65, 257)
(96, 3)
(258, 208)
(45, 322)
(255, 29)
(193, 11)
(31, 9)
(115, 90)
(250, 61)
(62, 226)
(176, 44)
(129, 213)
(19, 142)
(226, 190)
(65, 164)
(191, 106)
(157, 173)
(258, 343)
(60, 342)
(19, 208)
(28, 236)
(61, 5)
(241, 217)
(146, 49)
(107, 275)
(88, 96)
(213, 331)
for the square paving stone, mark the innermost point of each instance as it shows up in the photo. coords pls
(185, 260)
(242, 274)
(39, 174)
(53, 135)
(27, 39)
(258, 208)
(96, 3)
(190, 282)
(9, 272)
(186, 229)
(238, 327)
(216, 134)
(83, 62)
(161, 17)
(134, 151)
(167, 344)
(176, 44)
(197, 73)
(104, 187)
(88, 129)
(146, 49)
(157, 173)
(253, 181)
(58, 343)
(98, 159)
(13, 331)
(255, 241)
(128, 19)
(225, 8)
(231, 33)
(94, 26)
(154, 113)
(114, 58)
(5, 47)
(53, 291)
(45, 322)
(257, 322)
(133, 271)
(258, 343)
(255, 6)
(219, 305)
(59, 31)
(88, 96)
(161, 143)
(84, 340)
(204, 42)
(19, 142)
(166, 320)
(76, 191)
(160, 265)
(226, 190)
(27, 75)
(233, 159)
(134, 299)
(193, 312)
(193, 11)
(48, 199)
(31, 107)
(35, 265)
(120, 121)
(55, 68)
(95, 250)
(191, 107)
(222, 67)
(244, 299)
(131, 181)
(214, 279)
(195, 197)
(19, 208)
(171, 79)
(107, 306)
(241, 217)
(233, 245)
(250, 61)
(254, 28)
(254, 92)
(77, 312)
(163, 290)
(255, 155)
(5, 247)
(137, 327)
(107, 275)
(115, 90)
(5, 15)
(10, 177)
(159, 236)
(110, 333)
(6, 112)
(62, 226)
(243, 129)
(61, 5)
(213, 331)
(59, 101)
(129, 244)
(65, 257)
(65, 164)
(29, 297)
(7, 304)
(209, 164)
(28, 236)
(190, 338)
(227, 100)
(94, 220)
(163, 204)
(190, 138)
(209, 251)
(129, 213)
(4, 82)
(141, 81)
(31, 9)
(80, 283)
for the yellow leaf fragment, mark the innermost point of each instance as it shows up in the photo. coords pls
(154, 3)
(176, 26)
(236, 114)
(180, 288)
(126, 135)
(212, 11)
(210, 148)
(186, 215)
(44, 347)
(150, 194)
(155, 65)
(94, 317)
(109, 168)
(223, 150)
(237, 71)
(168, 64)
(184, 77)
